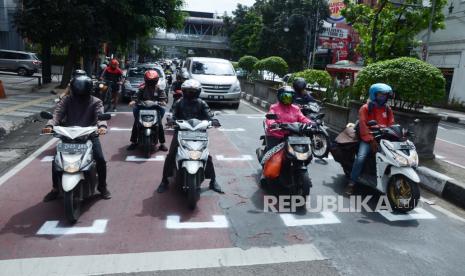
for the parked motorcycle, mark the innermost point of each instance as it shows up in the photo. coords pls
(147, 127)
(392, 171)
(192, 156)
(297, 148)
(321, 142)
(74, 159)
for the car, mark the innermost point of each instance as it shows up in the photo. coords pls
(23, 63)
(135, 78)
(218, 79)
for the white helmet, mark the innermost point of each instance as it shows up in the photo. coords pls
(191, 89)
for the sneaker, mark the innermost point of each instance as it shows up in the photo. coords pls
(215, 187)
(162, 147)
(132, 146)
(163, 187)
(52, 195)
(105, 193)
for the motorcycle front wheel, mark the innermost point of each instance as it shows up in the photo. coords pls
(73, 200)
(107, 99)
(147, 146)
(403, 194)
(193, 192)
(320, 145)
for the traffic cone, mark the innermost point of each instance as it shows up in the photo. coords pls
(2, 91)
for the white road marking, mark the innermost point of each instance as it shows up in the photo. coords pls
(427, 201)
(48, 158)
(452, 143)
(439, 156)
(327, 218)
(160, 261)
(157, 158)
(442, 128)
(173, 222)
(241, 158)
(415, 214)
(120, 112)
(447, 213)
(51, 228)
(26, 161)
(231, 129)
(453, 163)
(256, 117)
(120, 129)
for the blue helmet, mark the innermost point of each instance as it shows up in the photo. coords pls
(379, 88)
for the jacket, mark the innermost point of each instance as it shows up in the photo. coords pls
(303, 99)
(370, 111)
(185, 109)
(114, 75)
(286, 114)
(73, 111)
(144, 94)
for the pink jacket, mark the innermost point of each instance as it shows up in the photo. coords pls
(286, 114)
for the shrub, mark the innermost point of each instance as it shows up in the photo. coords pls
(247, 63)
(311, 76)
(414, 82)
(275, 65)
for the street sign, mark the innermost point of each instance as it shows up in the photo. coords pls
(334, 32)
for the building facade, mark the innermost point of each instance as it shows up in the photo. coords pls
(9, 37)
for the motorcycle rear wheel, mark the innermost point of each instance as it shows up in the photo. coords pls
(320, 145)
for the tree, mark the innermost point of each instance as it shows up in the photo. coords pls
(415, 82)
(248, 63)
(388, 31)
(323, 78)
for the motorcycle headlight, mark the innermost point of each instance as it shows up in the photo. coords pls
(302, 156)
(101, 86)
(402, 160)
(195, 155)
(147, 124)
(414, 159)
(72, 167)
(147, 118)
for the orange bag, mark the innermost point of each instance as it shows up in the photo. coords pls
(272, 167)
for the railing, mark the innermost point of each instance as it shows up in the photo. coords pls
(188, 37)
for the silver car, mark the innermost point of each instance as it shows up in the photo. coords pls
(24, 63)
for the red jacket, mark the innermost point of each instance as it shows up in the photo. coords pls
(383, 115)
(114, 75)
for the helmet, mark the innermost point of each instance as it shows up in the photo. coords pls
(380, 88)
(114, 62)
(184, 75)
(79, 72)
(286, 95)
(191, 89)
(151, 77)
(81, 86)
(299, 84)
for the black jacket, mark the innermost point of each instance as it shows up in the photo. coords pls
(185, 109)
(74, 111)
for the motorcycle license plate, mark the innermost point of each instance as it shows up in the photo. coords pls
(193, 135)
(297, 140)
(71, 148)
(148, 112)
(405, 146)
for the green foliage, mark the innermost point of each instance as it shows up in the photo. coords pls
(248, 64)
(323, 78)
(388, 31)
(244, 39)
(275, 65)
(235, 64)
(414, 82)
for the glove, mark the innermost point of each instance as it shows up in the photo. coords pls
(47, 130)
(132, 103)
(216, 123)
(374, 146)
(102, 131)
(274, 125)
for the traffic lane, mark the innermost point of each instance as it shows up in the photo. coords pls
(362, 243)
(136, 216)
(451, 132)
(450, 152)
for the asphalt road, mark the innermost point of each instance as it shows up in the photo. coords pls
(450, 144)
(140, 232)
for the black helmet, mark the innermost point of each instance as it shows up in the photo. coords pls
(299, 84)
(286, 95)
(79, 72)
(81, 86)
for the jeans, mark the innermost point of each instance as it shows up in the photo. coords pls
(364, 150)
(101, 166)
(161, 131)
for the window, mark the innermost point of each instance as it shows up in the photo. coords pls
(212, 68)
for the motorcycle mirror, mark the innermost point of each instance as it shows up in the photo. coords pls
(46, 115)
(372, 123)
(271, 116)
(104, 117)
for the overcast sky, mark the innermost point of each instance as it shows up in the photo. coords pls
(218, 6)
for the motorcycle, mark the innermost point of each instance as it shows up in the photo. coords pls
(392, 170)
(297, 148)
(320, 139)
(192, 156)
(104, 90)
(147, 127)
(74, 159)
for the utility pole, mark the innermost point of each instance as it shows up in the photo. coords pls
(430, 27)
(315, 37)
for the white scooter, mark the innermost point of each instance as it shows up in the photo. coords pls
(74, 159)
(192, 156)
(392, 171)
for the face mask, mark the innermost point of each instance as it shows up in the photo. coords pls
(287, 98)
(381, 100)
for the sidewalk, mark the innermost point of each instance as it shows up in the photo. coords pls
(447, 115)
(23, 102)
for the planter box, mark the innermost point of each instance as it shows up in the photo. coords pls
(425, 131)
(336, 117)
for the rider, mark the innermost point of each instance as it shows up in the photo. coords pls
(302, 97)
(80, 109)
(114, 74)
(149, 91)
(377, 109)
(181, 77)
(287, 113)
(189, 107)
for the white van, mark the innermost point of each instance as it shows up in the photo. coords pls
(218, 79)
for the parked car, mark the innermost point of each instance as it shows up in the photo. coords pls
(135, 77)
(218, 79)
(24, 63)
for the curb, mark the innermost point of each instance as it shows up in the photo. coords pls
(452, 119)
(256, 101)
